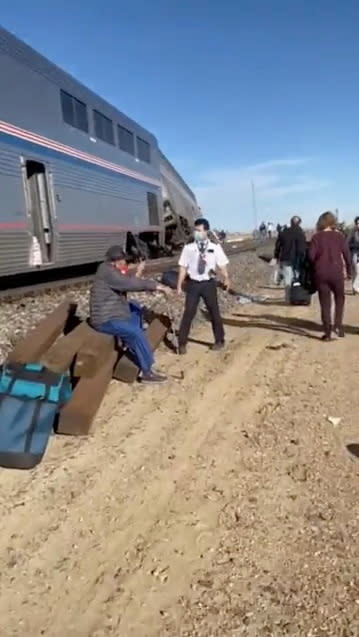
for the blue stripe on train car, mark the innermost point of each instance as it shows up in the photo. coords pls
(50, 153)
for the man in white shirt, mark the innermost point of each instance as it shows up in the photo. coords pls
(198, 264)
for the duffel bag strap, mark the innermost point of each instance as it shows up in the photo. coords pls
(43, 375)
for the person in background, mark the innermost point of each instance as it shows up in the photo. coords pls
(354, 251)
(111, 313)
(289, 252)
(263, 230)
(328, 252)
(270, 229)
(213, 236)
(278, 278)
(198, 264)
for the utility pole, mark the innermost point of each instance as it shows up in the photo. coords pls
(254, 204)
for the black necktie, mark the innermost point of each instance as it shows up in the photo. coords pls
(201, 260)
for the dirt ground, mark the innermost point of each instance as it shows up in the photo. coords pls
(223, 504)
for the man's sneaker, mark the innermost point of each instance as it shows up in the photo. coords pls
(182, 349)
(217, 346)
(339, 331)
(153, 378)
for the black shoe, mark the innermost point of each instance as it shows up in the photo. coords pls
(340, 332)
(153, 378)
(182, 349)
(217, 346)
(326, 337)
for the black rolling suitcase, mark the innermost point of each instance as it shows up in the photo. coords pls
(299, 295)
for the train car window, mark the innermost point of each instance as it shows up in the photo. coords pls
(74, 112)
(153, 214)
(104, 128)
(126, 140)
(143, 150)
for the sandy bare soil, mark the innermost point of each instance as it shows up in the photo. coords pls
(223, 504)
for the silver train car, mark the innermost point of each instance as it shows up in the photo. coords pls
(76, 174)
(179, 202)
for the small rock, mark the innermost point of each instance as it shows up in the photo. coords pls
(335, 421)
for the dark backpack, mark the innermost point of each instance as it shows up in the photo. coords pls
(30, 398)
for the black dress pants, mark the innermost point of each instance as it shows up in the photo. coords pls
(196, 290)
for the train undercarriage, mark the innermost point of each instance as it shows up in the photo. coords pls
(152, 245)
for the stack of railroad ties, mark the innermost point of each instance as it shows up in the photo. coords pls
(61, 341)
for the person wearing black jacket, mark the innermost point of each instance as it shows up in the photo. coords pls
(290, 251)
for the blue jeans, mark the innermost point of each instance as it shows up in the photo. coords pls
(132, 335)
(289, 273)
(355, 263)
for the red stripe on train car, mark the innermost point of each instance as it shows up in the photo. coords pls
(69, 150)
(20, 225)
(13, 225)
(94, 228)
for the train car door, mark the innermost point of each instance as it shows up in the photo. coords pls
(38, 197)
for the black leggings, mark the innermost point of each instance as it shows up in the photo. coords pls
(326, 288)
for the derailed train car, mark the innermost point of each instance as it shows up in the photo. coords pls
(179, 202)
(76, 174)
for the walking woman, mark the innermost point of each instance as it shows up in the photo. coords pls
(329, 254)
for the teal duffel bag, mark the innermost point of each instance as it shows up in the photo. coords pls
(30, 398)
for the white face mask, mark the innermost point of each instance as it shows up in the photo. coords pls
(199, 235)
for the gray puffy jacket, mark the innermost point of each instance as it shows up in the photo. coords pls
(108, 294)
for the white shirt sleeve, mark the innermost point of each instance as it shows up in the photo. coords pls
(183, 260)
(221, 258)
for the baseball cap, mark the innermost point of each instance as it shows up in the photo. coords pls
(115, 253)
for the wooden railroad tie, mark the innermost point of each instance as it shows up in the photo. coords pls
(60, 356)
(37, 341)
(93, 352)
(77, 416)
(126, 370)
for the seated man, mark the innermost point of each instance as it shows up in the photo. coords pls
(111, 313)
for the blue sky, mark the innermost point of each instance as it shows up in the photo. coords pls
(235, 90)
